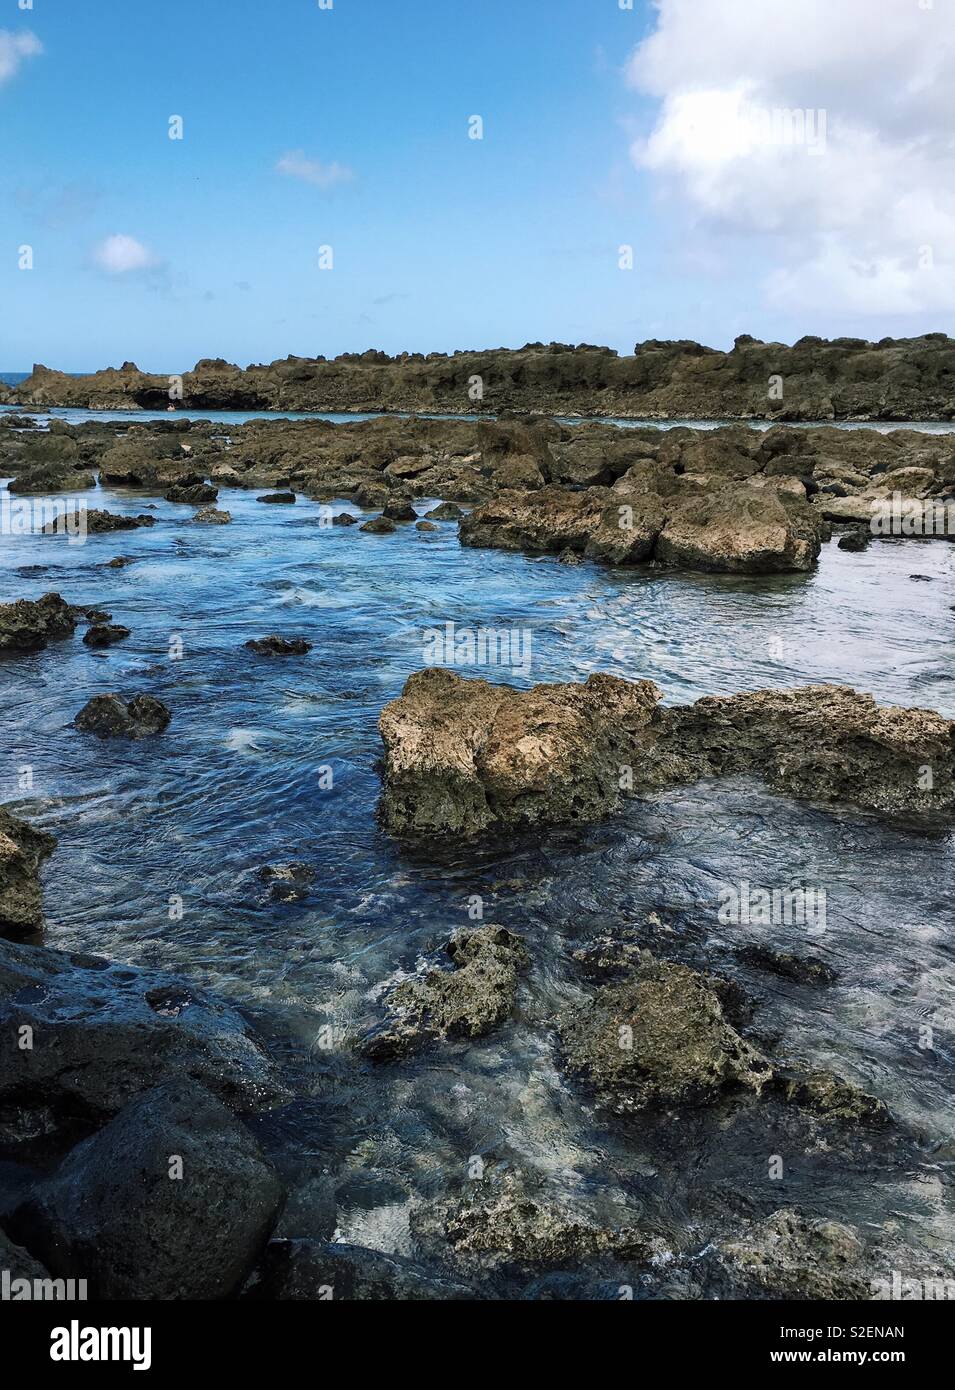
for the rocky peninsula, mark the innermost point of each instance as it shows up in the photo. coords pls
(813, 379)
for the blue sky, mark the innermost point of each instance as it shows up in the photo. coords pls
(439, 241)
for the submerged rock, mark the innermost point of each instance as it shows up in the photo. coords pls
(110, 716)
(102, 1033)
(23, 850)
(173, 1199)
(425, 526)
(311, 1271)
(471, 999)
(804, 970)
(279, 499)
(463, 756)
(27, 625)
(279, 646)
(105, 634)
(792, 1256)
(832, 1098)
(289, 883)
(659, 1039)
(505, 1222)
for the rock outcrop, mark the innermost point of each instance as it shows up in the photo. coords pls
(23, 851)
(103, 1033)
(27, 626)
(173, 1199)
(110, 716)
(467, 1000)
(894, 379)
(659, 1039)
(464, 756)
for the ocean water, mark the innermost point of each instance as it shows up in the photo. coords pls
(238, 417)
(235, 784)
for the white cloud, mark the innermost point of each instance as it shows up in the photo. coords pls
(121, 255)
(821, 129)
(298, 166)
(14, 48)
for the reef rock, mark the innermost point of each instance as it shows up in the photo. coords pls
(110, 716)
(462, 756)
(27, 626)
(103, 1033)
(659, 1039)
(473, 997)
(22, 853)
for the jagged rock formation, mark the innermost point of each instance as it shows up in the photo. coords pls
(464, 756)
(894, 379)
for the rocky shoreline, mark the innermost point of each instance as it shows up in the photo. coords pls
(814, 379)
(107, 1069)
(730, 499)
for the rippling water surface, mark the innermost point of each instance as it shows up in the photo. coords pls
(234, 785)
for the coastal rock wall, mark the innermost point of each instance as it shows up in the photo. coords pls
(814, 379)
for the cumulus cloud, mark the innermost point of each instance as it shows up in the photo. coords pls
(297, 165)
(823, 129)
(122, 255)
(14, 48)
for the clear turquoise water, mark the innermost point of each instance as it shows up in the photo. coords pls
(234, 785)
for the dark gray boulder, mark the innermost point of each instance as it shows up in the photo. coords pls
(27, 626)
(173, 1199)
(110, 716)
(311, 1271)
(279, 646)
(102, 1033)
(105, 634)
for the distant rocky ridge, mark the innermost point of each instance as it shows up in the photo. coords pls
(814, 379)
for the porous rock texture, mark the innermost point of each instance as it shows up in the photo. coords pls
(465, 756)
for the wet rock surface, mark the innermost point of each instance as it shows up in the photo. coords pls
(28, 625)
(791, 1255)
(659, 1039)
(110, 716)
(505, 1220)
(288, 883)
(102, 1033)
(105, 634)
(275, 645)
(462, 756)
(470, 999)
(172, 1199)
(310, 1270)
(23, 850)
